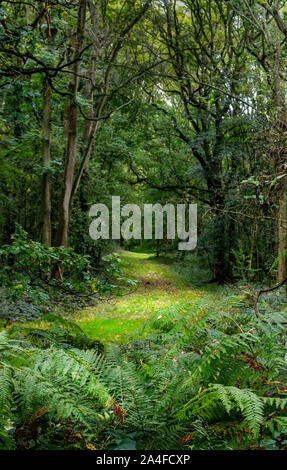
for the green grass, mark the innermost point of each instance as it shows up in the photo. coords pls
(160, 285)
(115, 330)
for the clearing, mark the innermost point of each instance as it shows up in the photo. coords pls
(116, 319)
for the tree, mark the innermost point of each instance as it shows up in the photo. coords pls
(205, 56)
(266, 40)
(71, 126)
(112, 49)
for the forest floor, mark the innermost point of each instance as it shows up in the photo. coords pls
(116, 320)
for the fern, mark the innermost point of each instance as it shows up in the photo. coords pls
(205, 405)
(202, 378)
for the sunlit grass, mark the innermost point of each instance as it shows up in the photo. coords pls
(116, 320)
(110, 330)
(160, 286)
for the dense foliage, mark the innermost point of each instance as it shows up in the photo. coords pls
(155, 101)
(194, 378)
(34, 277)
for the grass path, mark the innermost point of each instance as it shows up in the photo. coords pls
(160, 285)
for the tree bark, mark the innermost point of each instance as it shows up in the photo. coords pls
(46, 186)
(281, 124)
(282, 236)
(71, 116)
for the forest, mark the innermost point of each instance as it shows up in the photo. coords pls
(132, 341)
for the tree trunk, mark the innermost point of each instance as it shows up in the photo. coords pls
(46, 187)
(281, 125)
(220, 249)
(282, 236)
(71, 116)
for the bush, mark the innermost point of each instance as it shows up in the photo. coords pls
(34, 273)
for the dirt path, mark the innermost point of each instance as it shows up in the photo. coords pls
(115, 320)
